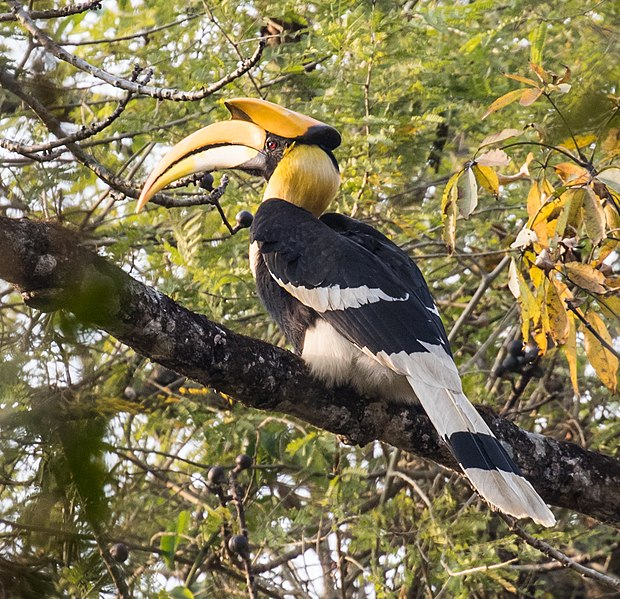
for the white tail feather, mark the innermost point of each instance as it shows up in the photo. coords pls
(451, 412)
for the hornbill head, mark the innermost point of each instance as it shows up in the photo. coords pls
(293, 152)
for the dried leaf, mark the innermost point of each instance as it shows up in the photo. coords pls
(524, 172)
(611, 178)
(467, 193)
(529, 96)
(613, 283)
(571, 173)
(586, 277)
(593, 216)
(503, 135)
(513, 279)
(566, 77)
(540, 72)
(611, 144)
(524, 238)
(502, 101)
(493, 158)
(487, 178)
(603, 361)
(563, 88)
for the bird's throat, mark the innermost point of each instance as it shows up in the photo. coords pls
(307, 177)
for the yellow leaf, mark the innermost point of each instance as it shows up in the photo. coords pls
(520, 79)
(578, 141)
(502, 101)
(611, 306)
(539, 336)
(448, 211)
(586, 277)
(593, 216)
(499, 137)
(467, 193)
(611, 215)
(529, 96)
(534, 201)
(603, 361)
(530, 310)
(537, 275)
(556, 310)
(487, 178)
(493, 158)
(570, 351)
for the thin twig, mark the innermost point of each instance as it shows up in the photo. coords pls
(162, 93)
(54, 13)
(606, 579)
(584, 320)
(243, 529)
(484, 285)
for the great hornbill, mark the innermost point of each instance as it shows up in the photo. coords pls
(350, 302)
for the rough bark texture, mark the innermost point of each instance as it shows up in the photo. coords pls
(54, 271)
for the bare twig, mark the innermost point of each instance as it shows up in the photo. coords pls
(478, 295)
(243, 529)
(54, 13)
(83, 133)
(606, 579)
(584, 320)
(162, 93)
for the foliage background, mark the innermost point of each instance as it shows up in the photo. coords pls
(98, 446)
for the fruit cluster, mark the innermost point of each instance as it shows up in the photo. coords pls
(522, 359)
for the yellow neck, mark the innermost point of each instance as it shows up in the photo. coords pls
(306, 177)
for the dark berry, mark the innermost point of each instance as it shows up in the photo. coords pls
(244, 219)
(531, 352)
(510, 364)
(119, 552)
(243, 461)
(239, 544)
(216, 475)
(206, 182)
(515, 348)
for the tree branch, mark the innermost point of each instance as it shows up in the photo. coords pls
(162, 93)
(53, 271)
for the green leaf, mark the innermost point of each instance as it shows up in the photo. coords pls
(537, 41)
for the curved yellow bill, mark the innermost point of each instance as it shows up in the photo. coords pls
(284, 122)
(226, 145)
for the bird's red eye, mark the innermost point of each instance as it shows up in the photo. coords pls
(271, 144)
